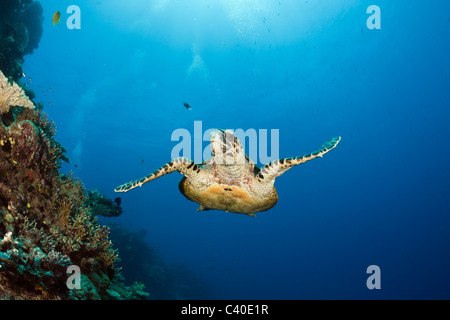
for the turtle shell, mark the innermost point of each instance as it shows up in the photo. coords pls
(227, 198)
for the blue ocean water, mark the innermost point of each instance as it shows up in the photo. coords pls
(311, 69)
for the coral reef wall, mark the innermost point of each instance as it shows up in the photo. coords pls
(141, 262)
(46, 223)
(20, 33)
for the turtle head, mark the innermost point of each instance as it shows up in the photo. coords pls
(226, 147)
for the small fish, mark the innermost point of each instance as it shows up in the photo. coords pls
(187, 106)
(56, 17)
(118, 201)
(142, 161)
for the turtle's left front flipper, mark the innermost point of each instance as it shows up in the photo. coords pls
(277, 168)
(182, 165)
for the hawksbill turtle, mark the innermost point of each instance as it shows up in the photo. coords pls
(229, 180)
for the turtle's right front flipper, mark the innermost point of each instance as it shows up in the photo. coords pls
(182, 165)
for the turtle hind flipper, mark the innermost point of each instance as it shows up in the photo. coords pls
(183, 165)
(278, 167)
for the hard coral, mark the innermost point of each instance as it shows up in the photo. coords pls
(46, 222)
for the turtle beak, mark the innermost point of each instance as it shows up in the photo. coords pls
(218, 144)
(222, 145)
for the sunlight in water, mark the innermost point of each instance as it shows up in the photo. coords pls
(247, 16)
(224, 21)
